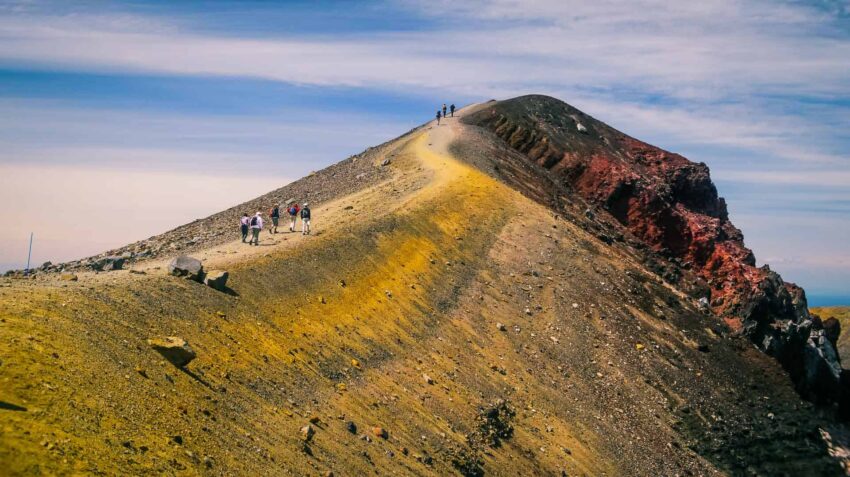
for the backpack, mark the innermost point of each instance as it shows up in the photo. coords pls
(293, 210)
(254, 220)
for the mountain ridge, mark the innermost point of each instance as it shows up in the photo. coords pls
(671, 205)
(446, 319)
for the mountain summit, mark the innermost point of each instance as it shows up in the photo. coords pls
(519, 290)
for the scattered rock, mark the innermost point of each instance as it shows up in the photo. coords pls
(494, 424)
(216, 279)
(427, 378)
(386, 162)
(176, 350)
(351, 427)
(501, 327)
(186, 267)
(307, 433)
(380, 432)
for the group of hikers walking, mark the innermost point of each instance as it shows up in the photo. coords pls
(444, 113)
(253, 225)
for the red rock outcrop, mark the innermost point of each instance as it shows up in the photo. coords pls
(670, 204)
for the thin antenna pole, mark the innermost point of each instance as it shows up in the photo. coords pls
(29, 254)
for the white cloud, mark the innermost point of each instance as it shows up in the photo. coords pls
(686, 49)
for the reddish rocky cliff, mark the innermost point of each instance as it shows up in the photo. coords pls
(669, 204)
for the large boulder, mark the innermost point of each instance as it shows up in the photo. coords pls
(176, 350)
(187, 267)
(216, 279)
(107, 264)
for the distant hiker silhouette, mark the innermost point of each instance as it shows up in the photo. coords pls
(256, 226)
(305, 219)
(275, 215)
(444, 109)
(452, 109)
(292, 210)
(438, 117)
(244, 224)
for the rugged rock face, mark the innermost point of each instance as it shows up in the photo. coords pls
(669, 204)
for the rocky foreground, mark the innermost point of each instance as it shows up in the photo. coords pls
(481, 298)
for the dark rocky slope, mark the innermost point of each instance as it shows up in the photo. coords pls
(667, 203)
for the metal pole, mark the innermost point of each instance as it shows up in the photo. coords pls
(29, 255)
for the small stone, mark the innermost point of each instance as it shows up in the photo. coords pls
(427, 379)
(216, 279)
(307, 432)
(175, 349)
(351, 427)
(639, 346)
(501, 326)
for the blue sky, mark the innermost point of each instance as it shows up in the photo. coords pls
(116, 109)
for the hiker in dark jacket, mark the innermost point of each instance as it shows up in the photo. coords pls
(452, 109)
(275, 215)
(444, 109)
(305, 219)
(438, 117)
(244, 223)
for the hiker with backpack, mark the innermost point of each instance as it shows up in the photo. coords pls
(275, 215)
(293, 215)
(452, 109)
(244, 224)
(438, 117)
(256, 226)
(305, 219)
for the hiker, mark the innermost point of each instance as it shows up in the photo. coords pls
(452, 109)
(256, 226)
(444, 109)
(275, 215)
(305, 219)
(244, 224)
(293, 215)
(438, 117)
